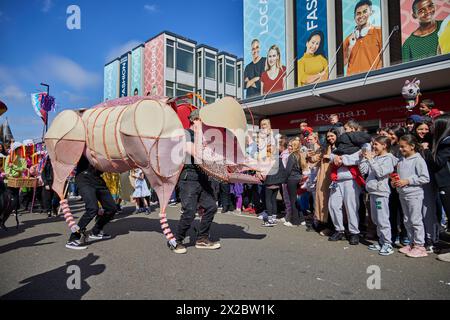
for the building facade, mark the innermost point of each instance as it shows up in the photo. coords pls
(171, 65)
(348, 57)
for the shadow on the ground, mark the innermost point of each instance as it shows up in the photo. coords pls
(55, 284)
(29, 242)
(135, 223)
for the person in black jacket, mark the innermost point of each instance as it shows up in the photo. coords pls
(439, 159)
(272, 183)
(47, 191)
(294, 175)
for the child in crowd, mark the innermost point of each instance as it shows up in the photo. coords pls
(378, 165)
(412, 175)
(237, 189)
(141, 191)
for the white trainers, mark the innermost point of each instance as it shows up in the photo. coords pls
(288, 224)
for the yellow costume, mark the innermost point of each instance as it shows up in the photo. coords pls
(113, 183)
(310, 65)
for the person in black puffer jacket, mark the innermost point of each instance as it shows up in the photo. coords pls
(439, 161)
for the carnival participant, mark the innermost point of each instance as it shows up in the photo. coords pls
(195, 191)
(47, 192)
(412, 176)
(378, 165)
(15, 165)
(92, 188)
(141, 192)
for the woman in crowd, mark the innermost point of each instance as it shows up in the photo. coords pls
(422, 132)
(274, 77)
(294, 175)
(321, 214)
(439, 159)
(313, 66)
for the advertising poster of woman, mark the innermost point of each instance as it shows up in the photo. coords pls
(311, 44)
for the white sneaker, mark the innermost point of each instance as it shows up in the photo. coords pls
(303, 223)
(288, 224)
(283, 220)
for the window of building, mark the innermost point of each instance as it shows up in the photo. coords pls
(210, 68)
(169, 53)
(230, 78)
(185, 58)
(169, 89)
(210, 96)
(183, 89)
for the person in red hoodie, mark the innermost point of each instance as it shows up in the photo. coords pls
(427, 109)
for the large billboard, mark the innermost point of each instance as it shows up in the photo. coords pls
(137, 79)
(154, 67)
(111, 81)
(124, 67)
(362, 36)
(312, 44)
(425, 28)
(264, 47)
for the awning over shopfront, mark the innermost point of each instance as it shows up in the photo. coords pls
(434, 74)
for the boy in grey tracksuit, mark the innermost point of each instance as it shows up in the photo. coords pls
(414, 169)
(379, 169)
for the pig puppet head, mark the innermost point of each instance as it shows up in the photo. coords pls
(219, 148)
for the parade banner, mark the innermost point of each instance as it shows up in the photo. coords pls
(264, 35)
(111, 81)
(137, 57)
(154, 67)
(124, 61)
(311, 42)
(362, 36)
(425, 28)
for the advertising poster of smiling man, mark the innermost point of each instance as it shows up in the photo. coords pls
(264, 47)
(312, 44)
(425, 28)
(362, 36)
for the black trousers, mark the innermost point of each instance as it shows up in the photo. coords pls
(225, 197)
(271, 202)
(296, 217)
(93, 190)
(192, 195)
(47, 199)
(444, 194)
(15, 192)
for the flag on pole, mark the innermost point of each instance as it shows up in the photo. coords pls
(36, 101)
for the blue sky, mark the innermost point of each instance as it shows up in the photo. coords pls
(37, 46)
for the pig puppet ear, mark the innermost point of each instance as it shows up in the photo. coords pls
(407, 82)
(417, 82)
(226, 113)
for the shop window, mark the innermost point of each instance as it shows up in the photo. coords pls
(230, 77)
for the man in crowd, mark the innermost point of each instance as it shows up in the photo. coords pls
(363, 45)
(253, 71)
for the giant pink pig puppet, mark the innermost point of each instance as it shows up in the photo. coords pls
(144, 132)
